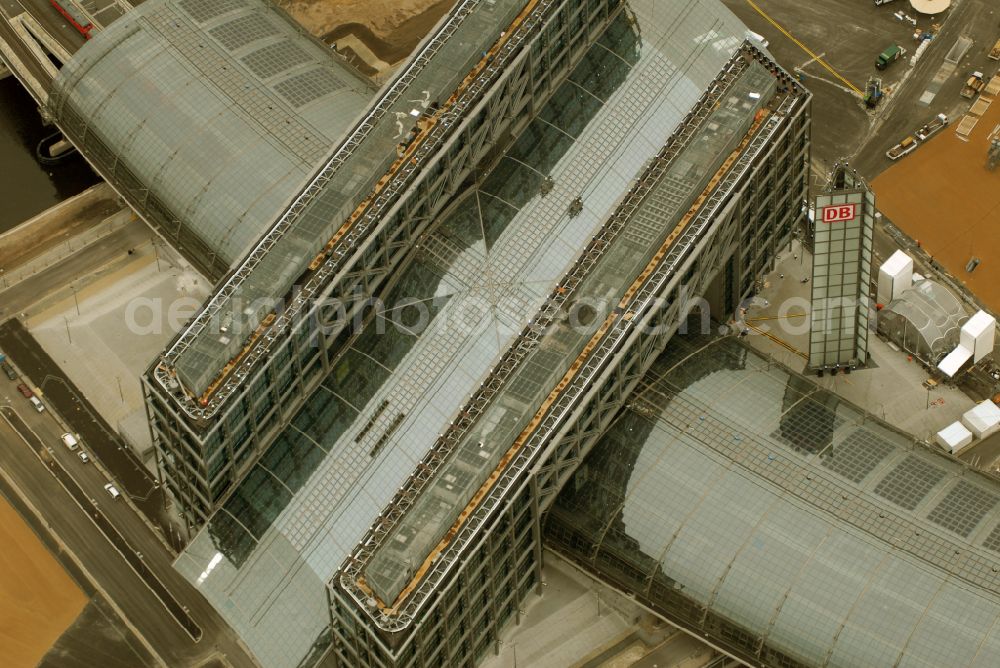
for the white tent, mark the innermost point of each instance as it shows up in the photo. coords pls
(954, 360)
(894, 276)
(983, 420)
(954, 437)
(978, 334)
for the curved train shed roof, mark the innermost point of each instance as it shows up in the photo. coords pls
(749, 504)
(207, 115)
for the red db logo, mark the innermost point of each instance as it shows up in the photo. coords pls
(836, 214)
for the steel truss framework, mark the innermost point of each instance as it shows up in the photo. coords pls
(748, 196)
(300, 353)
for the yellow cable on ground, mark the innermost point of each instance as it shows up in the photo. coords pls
(806, 49)
(783, 344)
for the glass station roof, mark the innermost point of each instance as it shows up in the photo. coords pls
(735, 486)
(218, 110)
(453, 310)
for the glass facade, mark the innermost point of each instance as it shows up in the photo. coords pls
(714, 139)
(841, 282)
(481, 449)
(599, 106)
(281, 534)
(741, 501)
(339, 186)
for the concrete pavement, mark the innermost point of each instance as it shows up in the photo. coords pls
(54, 280)
(849, 35)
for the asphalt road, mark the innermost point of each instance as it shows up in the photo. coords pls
(106, 564)
(50, 20)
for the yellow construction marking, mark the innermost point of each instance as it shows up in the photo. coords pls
(783, 344)
(806, 49)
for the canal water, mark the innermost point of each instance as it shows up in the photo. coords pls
(27, 187)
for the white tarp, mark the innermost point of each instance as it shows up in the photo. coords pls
(894, 276)
(954, 360)
(978, 334)
(983, 420)
(954, 437)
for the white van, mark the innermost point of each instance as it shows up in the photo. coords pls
(113, 491)
(37, 403)
(69, 440)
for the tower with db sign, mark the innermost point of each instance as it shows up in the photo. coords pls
(841, 303)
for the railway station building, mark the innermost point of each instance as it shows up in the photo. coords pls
(453, 287)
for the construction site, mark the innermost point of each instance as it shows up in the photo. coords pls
(956, 226)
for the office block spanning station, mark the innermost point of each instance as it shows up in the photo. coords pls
(206, 116)
(569, 175)
(230, 382)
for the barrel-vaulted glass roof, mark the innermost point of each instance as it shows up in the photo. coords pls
(210, 114)
(748, 503)
(454, 309)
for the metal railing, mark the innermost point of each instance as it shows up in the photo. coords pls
(319, 182)
(447, 122)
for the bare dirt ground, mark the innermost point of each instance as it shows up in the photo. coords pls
(390, 29)
(38, 600)
(943, 195)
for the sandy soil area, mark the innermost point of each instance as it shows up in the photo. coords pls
(943, 195)
(389, 28)
(38, 600)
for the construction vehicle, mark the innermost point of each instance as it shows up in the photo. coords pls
(873, 92)
(974, 84)
(889, 56)
(927, 130)
(902, 148)
(882, 2)
(995, 51)
(910, 143)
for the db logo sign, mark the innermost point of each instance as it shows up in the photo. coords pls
(840, 213)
